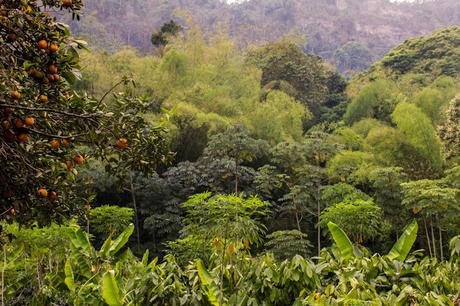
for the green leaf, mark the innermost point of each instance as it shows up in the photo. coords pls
(402, 247)
(212, 291)
(341, 240)
(69, 278)
(121, 240)
(80, 240)
(110, 291)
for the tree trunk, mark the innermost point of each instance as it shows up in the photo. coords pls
(298, 223)
(441, 251)
(236, 175)
(319, 228)
(427, 237)
(221, 285)
(136, 217)
(433, 238)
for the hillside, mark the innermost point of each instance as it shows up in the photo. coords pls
(350, 33)
(419, 61)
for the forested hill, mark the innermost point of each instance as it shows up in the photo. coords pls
(349, 33)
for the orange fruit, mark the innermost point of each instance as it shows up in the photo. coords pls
(53, 69)
(67, 3)
(15, 94)
(22, 137)
(42, 192)
(6, 124)
(43, 44)
(29, 121)
(69, 164)
(53, 196)
(56, 77)
(79, 159)
(65, 142)
(55, 144)
(122, 143)
(43, 98)
(53, 48)
(7, 111)
(18, 123)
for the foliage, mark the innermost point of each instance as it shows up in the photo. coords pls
(288, 243)
(45, 122)
(228, 218)
(362, 220)
(109, 220)
(284, 61)
(95, 277)
(450, 129)
(376, 100)
(160, 38)
(420, 133)
(416, 53)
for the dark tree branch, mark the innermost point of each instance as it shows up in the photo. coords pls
(50, 110)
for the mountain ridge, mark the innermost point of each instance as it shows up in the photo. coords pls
(348, 33)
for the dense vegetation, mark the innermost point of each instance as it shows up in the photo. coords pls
(350, 33)
(224, 176)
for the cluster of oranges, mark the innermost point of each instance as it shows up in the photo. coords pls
(19, 124)
(43, 193)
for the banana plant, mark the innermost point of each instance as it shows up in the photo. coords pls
(399, 251)
(211, 289)
(341, 240)
(86, 268)
(402, 247)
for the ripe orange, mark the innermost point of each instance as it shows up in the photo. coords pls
(29, 121)
(6, 124)
(56, 77)
(42, 192)
(79, 159)
(43, 44)
(7, 111)
(67, 3)
(22, 137)
(53, 196)
(122, 143)
(55, 144)
(53, 69)
(18, 123)
(65, 142)
(15, 94)
(53, 48)
(69, 164)
(43, 98)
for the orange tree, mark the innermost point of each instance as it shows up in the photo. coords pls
(48, 130)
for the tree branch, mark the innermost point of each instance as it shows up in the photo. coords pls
(109, 91)
(50, 110)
